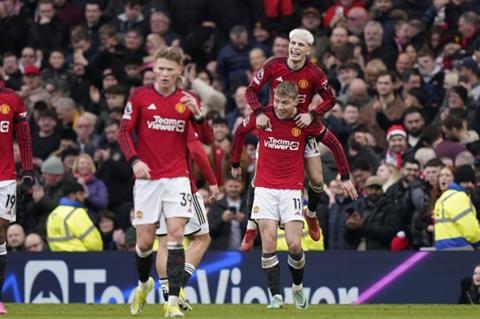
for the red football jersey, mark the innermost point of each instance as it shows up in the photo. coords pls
(281, 150)
(13, 121)
(310, 80)
(162, 125)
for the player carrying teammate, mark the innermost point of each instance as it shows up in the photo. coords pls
(310, 80)
(13, 122)
(279, 184)
(160, 116)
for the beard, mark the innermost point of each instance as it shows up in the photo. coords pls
(415, 133)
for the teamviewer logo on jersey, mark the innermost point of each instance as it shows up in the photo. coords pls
(278, 144)
(40, 274)
(163, 124)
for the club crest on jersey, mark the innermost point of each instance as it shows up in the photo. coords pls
(303, 84)
(127, 114)
(296, 132)
(4, 109)
(260, 74)
(180, 108)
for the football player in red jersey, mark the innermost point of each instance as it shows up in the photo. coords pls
(160, 115)
(13, 123)
(279, 184)
(310, 80)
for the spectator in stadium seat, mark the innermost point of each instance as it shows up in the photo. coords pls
(357, 18)
(228, 217)
(69, 13)
(456, 223)
(375, 220)
(34, 243)
(32, 90)
(357, 92)
(241, 111)
(397, 146)
(69, 229)
(386, 102)
(46, 139)
(12, 75)
(159, 24)
(114, 170)
(422, 220)
(432, 81)
(57, 73)
(45, 196)
(85, 128)
(468, 69)
(468, 25)
(233, 61)
(131, 18)
(376, 47)
(465, 158)
(403, 64)
(337, 217)
(400, 194)
(455, 128)
(94, 18)
(470, 288)
(15, 237)
(388, 175)
(48, 32)
(96, 194)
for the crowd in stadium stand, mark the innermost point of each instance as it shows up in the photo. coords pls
(405, 72)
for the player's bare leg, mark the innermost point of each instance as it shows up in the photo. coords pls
(143, 260)
(175, 263)
(3, 259)
(270, 264)
(251, 232)
(313, 166)
(296, 261)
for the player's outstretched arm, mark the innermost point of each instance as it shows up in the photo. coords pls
(22, 132)
(329, 139)
(247, 126)
(326, 93)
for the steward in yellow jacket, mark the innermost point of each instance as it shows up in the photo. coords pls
(69, 228)
(456, 224)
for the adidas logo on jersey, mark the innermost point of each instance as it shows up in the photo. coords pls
(279, 79)
(151, 107)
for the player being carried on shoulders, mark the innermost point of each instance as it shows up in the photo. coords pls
(311, 80)
(279, 184)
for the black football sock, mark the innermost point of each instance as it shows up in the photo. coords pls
(175, 267)
(271, 268)
(296, 265)
(144, 262)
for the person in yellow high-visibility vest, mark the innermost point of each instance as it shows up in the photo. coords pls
(456, 224)
(69, 228)
(307, 242)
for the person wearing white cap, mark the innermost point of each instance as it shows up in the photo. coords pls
(310, 80)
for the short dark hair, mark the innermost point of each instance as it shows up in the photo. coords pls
(388, 73)
(412, 110)
(410, 160)
(434, 162)
(71, 187)
(455, 119)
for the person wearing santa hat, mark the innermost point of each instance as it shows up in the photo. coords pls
(397, 145)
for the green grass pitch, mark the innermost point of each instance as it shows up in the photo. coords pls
(82, 311)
